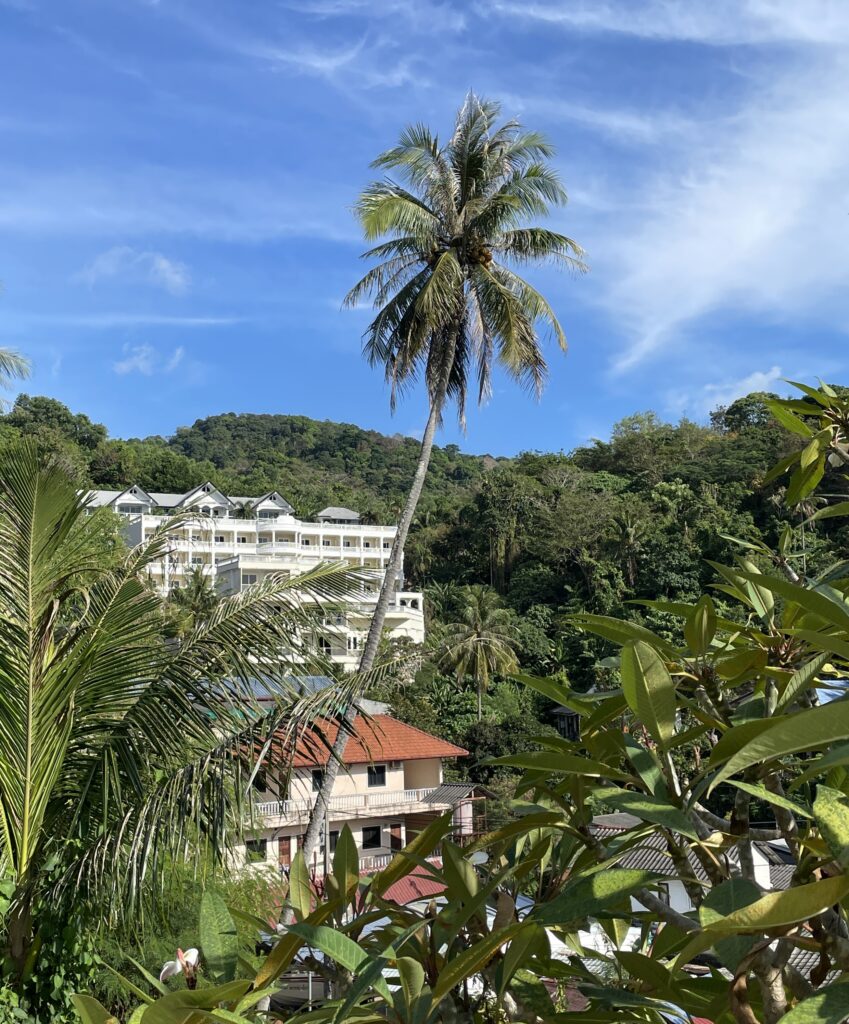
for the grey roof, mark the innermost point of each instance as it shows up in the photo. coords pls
(450, 793)
(334, 512)
(168, 499)
(647, 854)
(780, 875)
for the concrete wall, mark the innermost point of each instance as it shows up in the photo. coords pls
(423, 774)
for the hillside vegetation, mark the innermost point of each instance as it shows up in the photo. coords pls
(637, 516)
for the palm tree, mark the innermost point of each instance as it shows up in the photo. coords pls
(13, 366)
(119, 748)
(450, 302)
(481, 644)
(196, 599)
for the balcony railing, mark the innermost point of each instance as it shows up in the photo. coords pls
(344, 803)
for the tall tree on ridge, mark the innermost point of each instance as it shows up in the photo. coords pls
(449, 302)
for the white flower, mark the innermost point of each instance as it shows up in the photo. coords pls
(187, 962)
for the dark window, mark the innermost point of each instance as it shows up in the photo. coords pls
(317, 779)
(256, 850)
(371, 837)
(334, 839)
(377, 775)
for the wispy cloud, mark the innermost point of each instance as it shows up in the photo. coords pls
(123, 261)
(718, 23)
(117, 319)
(147, 360)
(725, 225)
(711, 396)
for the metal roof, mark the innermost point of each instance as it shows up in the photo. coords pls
(450, 793)
(334, 512)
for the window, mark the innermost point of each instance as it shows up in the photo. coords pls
(317, 779)
(376, 775)
(267, 513)
(256, 850)
(126, 509)
(197, 560)
(366, 543)
(248, 578)
(219, 538)
(386, 544)
(372, 839)
(264, 538)
(347, 544)
(353, 643)
(326, 543)
(324, 645)
(305, 542)
(242, 540)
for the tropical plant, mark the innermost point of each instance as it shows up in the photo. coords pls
(116, 746)
(449, 300)
(481, 644)
(195, 599)
(13, 366)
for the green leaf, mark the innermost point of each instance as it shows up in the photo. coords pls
(412, 977)
(779, 909)
(589, 895)
(805, 481)
(762, 793)
(472, 960)
(649, 690)
(831, 810)
(780, 467)
(700, 627)
(830, 1006)
(219, 940)
(838, 756)
(286, 948)
(807, 730)
(300, 889)
(644, 968)
(802, 679)
(346, 863)
(620, 631)
(787, 419)
(558, 764)
(173, 1008)
(341, 949)
(532, 941)
(724, 899)
(821, 396)
(647, 808)
(91, 1011)
(832, 511)
(420, 846)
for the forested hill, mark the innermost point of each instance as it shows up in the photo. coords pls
(637, 516)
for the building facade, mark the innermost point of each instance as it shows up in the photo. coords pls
(240, 540)
(391, 787)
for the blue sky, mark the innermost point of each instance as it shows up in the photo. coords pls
(176, 178)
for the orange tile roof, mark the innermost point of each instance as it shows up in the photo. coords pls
(377, 738)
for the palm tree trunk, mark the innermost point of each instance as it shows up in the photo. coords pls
(480, 702)
(387, 590)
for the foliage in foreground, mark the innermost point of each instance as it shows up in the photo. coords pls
(751, 694)
(119, 747)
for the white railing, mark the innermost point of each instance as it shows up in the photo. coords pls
(344, 802)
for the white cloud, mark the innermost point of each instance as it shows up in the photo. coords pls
(136, 264)
(716, 23)
(751, 218)
(147, 360)
(723, 393)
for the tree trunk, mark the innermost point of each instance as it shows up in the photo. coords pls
(387, 590)
(480, 702)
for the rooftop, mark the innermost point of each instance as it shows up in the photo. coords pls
(378, 738)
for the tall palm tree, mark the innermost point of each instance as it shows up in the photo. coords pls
(482, 643)
(13, 366)
(450, 302)
(118, 747)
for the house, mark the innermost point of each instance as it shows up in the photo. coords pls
(239, 540)
(391, 788)
(772, 865)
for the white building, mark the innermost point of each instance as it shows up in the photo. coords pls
(239, 540)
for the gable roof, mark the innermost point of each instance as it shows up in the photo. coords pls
(378, 738)
(336, 512)
(275, 496)
(207, 487)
